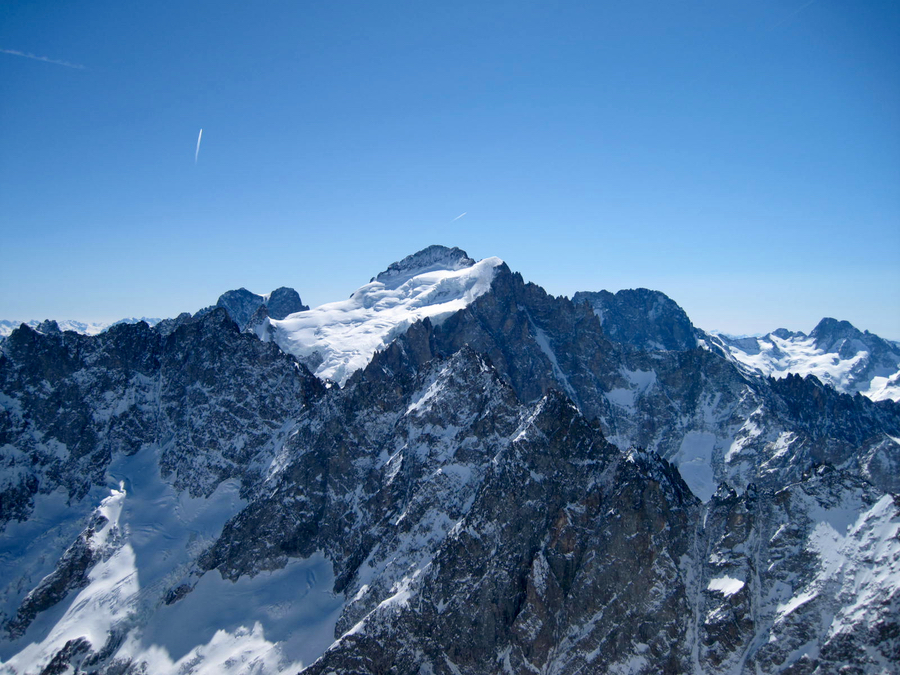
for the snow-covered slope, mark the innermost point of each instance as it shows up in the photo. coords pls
(102, 521)
(274, 622)
(835, 352)
(339, 338)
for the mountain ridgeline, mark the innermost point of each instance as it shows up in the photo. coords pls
(499, 480)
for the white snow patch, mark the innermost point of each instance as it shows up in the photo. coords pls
(872, 549)
(29, 549)
(884, 388)
(858, 553)
(642, 379)
(626, 397)
(540, 572)
(422, 402)
(108, 599)
(153, 535)
(544, 343)
(295, 605)
(244, 651)
(748, 432)
(782, 444)
(725, 585)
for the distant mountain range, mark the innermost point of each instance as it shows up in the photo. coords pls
(835, 352)
(336, 339)
(7, 327)
(450, 472)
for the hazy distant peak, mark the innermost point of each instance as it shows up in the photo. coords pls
(828, 330)
(48, 327)
(784, 334)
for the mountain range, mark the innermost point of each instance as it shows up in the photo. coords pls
(7, 326)
(450, 472)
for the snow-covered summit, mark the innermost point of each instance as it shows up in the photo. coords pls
(430, 259)
(838, 354)
(338, 338)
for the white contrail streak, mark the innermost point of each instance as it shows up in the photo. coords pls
(459, 216)
(792, 15)
(197, 153)
(45, 59)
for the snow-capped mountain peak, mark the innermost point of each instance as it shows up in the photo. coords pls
(338, 338)
(835, 352)
(431, 259)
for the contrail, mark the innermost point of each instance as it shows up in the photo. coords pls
(792, 15)
(459, 216)
(45, 59)
(197, 153)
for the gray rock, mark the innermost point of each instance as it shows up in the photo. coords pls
(432, 257)
(642, 319)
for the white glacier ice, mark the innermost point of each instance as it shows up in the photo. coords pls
(339, 338)
(779, 355)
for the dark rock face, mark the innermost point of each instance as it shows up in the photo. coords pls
(825, 413)
(242, 305)
(48, 327)
(681, 403)
(391, 430)
(71, 573)
(72, 655)
(76, 401)
(284, 301)
(168, 326)
(537, 556)
(642, 319)
(765, 546)
(829, 332)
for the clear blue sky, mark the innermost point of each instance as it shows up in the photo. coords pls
(741, 156)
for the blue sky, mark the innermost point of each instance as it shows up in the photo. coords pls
(742, 157)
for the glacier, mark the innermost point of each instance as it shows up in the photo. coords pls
(337, 339)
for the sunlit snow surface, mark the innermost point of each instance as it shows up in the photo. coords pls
(857, 554)
(274, 622)
(339, 338)
(725, 585)
(798, 354)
